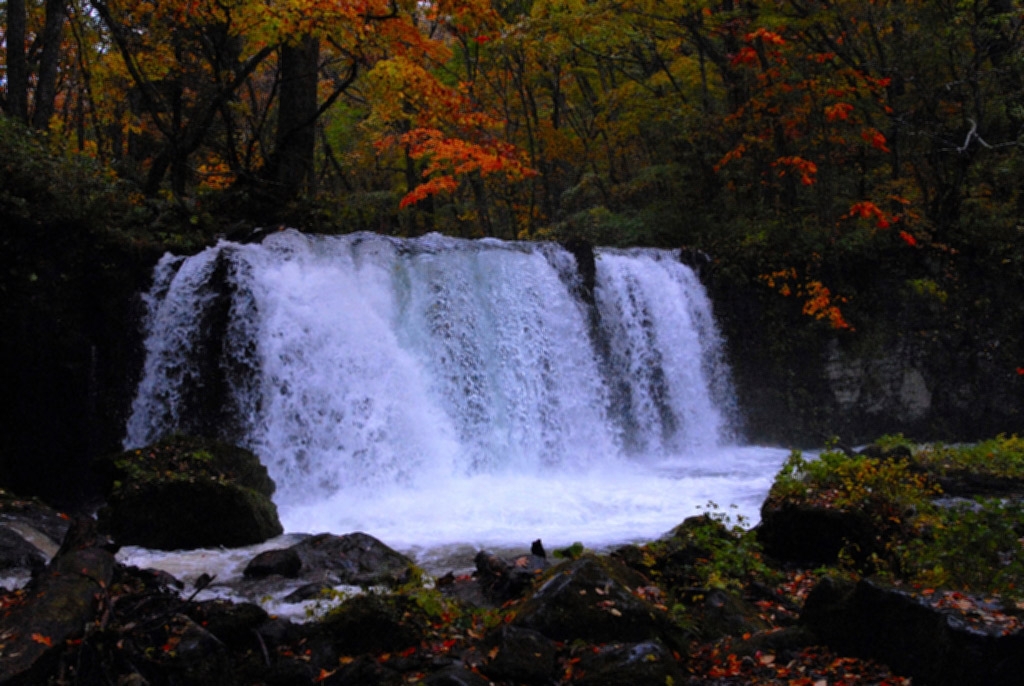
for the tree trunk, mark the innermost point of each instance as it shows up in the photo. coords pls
(46, 88)
(17, 65)
(291, 167)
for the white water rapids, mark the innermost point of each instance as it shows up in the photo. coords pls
(439, 392)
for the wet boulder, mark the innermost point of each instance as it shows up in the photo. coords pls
(236, 625)
(914, 634)
(187, 492)
(30, 534)
(365, 671)
(519, 655)
(280, 561)
(595, 599)
(357, 559)
(18, 556)
(627, 664)
(58, 605)
(502, 580)
(716, 613)
(31, 516)
(191, 655)
(326, 560)
(455, 675)
(371, 623)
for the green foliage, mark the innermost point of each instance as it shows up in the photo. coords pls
(732, 555)
(327, 600)
(928, 289)
(971, 545)
(884, 487)
(1002, 456)
(974, 545)
(44, 181)
(707, 551)
(573, 552)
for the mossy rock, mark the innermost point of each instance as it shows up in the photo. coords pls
(182, 458)
(187, 492)
(671, 559)
(595, 599)
(372, 623)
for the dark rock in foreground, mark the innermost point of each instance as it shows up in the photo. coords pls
(326, 560)
(629, 664)
(812, 534)
(520, 656)
(187, 492)
(595, 599)
(935, 646)
(63, 601)
(32, 512)
(501, 580)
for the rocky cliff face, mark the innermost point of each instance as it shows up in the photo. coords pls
(939, 376)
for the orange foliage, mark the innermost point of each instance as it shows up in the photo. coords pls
(819, 301)
(821, 304)
(769, 37)
(875, 138)
(867, 209)
(805, 168)
(840, 110)
(455, 157)
(733, 154)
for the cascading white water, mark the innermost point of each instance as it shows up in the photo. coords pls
(436, 391)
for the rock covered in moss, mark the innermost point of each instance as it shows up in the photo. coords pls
(595, 599)
(187, 492)
(374, 623)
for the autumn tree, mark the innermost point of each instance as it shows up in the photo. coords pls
(30, 45)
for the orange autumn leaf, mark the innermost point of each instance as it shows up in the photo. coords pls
(838, 111)
(867, 210)
(875, 138)
(765, 35)
(805, 168)
(442, 184)
(746, 55)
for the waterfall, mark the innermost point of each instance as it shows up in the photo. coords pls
(365, 370)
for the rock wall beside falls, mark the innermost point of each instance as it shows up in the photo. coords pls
(934, 368)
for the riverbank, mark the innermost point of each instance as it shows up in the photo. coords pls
(906, 536)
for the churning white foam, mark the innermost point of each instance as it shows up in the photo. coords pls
(439, 391)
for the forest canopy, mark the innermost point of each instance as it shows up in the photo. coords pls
(795, 132)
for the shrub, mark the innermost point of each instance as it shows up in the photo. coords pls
(1002, 456)
(975, 545)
